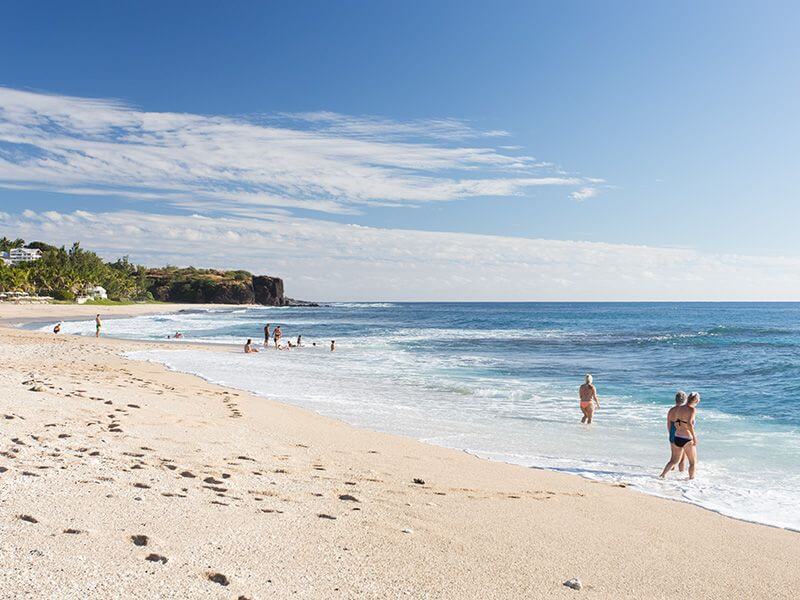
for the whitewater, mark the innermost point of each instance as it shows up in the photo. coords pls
(500, 381)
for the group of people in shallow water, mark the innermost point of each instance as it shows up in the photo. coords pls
(680, 425)
(277, 335)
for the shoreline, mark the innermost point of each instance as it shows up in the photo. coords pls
(144, 309)
(531, 529)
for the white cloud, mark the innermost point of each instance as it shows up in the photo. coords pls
(330, 261)
(325, 162)
(584, 194)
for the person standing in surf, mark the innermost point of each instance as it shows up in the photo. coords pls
(97, 325)
(680, 400)
(685, 440)
(589, 400)
(266, 335)
(277, 336)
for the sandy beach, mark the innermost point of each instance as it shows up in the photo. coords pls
(121, 479)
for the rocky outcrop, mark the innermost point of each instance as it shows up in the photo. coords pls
(268, 290)
(207, 286)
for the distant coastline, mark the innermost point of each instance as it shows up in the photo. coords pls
(38, 271)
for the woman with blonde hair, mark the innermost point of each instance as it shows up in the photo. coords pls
(685, 439)
(589, 401)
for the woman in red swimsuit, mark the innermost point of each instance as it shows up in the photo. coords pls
(589, 401)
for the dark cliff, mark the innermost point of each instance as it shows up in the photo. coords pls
(268, 290)
(207, 286)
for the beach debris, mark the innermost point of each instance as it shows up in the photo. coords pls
(73, 531)
(218, 578)
(407, 530)
(139, 540)
(324, 516)
(37, 388)
(156, 558)
(419, 481)
(574, 584)
(348, 498)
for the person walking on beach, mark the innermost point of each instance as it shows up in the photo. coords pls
(97, 325)
(589, 400)
(266, 335)
(277, 336)
(680, 400)
(685, 440)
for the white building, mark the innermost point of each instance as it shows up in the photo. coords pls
(98, 292)
(17, 256)
(92, 292)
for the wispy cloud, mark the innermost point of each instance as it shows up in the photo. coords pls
(325, 162)
(584, 193)
(324, 260)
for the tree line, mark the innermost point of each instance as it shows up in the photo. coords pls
(65, 273)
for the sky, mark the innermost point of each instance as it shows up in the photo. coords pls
(414, 151)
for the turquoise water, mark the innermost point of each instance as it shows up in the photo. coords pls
(500, 380)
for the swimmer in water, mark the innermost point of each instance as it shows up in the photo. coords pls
(589, 401)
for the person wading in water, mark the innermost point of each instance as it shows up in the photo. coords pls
(589, 401)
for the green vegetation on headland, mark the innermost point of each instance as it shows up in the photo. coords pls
(66, 274)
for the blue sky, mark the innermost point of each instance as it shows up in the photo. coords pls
(677, 121)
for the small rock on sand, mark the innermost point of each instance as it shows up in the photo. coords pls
(407, 530)
(574, 583)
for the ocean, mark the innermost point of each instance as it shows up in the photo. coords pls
(500, 380)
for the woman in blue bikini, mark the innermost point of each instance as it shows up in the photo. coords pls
(684, 442)
(680, 400)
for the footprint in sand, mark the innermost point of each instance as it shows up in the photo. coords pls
(27, 518)
(218, 578)
(156, 558)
